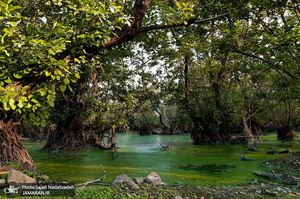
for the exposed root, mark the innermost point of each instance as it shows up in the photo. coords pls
(11, 148)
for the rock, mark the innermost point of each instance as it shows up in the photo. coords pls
(45, 177)
(19, 178)
(147, 180)
(2, 181)
(278, 189)
(177, 197)
(154, 178)
(121, 178)
(139, 180)
(125, 179)
(131, 183)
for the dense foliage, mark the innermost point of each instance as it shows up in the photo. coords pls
(209, 68)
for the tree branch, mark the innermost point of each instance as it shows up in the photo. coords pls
(264, 61)
(183, 24)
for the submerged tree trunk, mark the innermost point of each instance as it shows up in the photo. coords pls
(209, 135)
(11, 148)
(206, 137)
(286, 133)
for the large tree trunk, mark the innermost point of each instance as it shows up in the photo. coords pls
(251, 140)
(286, 133)
(69, 134)
(201, 137)
(11, 148)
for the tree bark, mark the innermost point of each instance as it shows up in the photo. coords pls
(251, 140)
(69, 134)
(11, 148)
(165, 127)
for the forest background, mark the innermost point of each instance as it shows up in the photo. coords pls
(209, 68)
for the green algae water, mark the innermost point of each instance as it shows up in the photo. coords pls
(140, 155)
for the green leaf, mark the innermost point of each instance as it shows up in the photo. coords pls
(51, 103)
(42, 92)
(8, 81)
(5, 106)
(13, 24)
(62, 87)
(48, 73)
(77, 75)
(12, 103)
(70, 88)
(35, 101)
(51, 51)
(31, 115)
(18, 76)
(20, 104)
(67, 81)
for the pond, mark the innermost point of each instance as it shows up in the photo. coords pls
(140, 155)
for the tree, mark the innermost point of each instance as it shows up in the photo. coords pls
(46, 44)
(271, 42)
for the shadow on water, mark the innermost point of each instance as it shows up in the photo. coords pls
(140, 155)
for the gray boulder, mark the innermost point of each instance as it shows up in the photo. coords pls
(154, 178)
(121, 178)
(131, 183)
(177, 197)
(19, 178)
(125, 179)
(139, 180)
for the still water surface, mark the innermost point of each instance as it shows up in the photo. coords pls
(140, 155)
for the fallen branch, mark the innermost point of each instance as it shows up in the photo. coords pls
(244, 158)
(285, 179)
(93, 181)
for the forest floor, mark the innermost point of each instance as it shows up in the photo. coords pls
(262, 190)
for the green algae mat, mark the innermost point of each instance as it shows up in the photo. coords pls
(184, 164)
